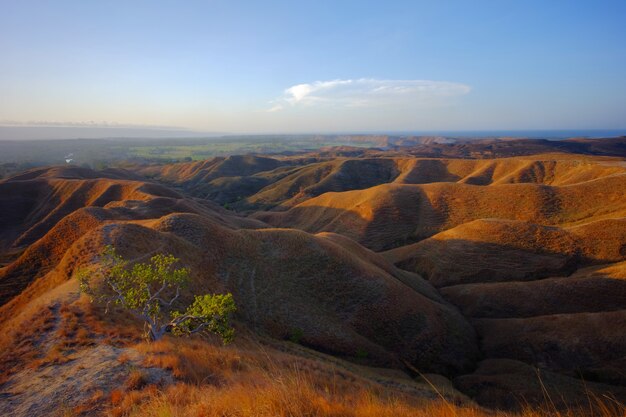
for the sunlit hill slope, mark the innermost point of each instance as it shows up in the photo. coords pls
(429, 282)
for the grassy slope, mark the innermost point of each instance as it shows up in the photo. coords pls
(264, 381)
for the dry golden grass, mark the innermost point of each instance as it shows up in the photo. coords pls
(53, 335)
(286, 397)
(72, 331)
(386, 215)
(115, 327)
(255, 381)
(91, 407)
(19, 346)
(136, 380)
(248, 380)
(296, 399)
(299, 182)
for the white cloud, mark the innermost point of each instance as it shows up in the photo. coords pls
(367, 92)
(275, 108)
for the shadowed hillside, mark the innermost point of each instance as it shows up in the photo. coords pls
(389, 215)
(506, 250)
(250, 263)
(282, 182)
(501, 278)
(47, 210)
(531, 293)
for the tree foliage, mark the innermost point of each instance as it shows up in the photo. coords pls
(151, 292)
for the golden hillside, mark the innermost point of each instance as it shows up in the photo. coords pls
(420, 278)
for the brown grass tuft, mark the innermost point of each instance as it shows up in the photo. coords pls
(136, 380)
(19, 346)
(254, 381)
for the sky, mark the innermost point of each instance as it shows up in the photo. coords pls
(313, 67)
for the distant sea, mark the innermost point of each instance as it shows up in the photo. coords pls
(533, 134)
(79, 132)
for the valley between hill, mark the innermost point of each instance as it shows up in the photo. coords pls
(482, 280)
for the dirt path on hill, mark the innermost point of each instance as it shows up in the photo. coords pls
(54, 388)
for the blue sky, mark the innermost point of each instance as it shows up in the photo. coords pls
(233, 66)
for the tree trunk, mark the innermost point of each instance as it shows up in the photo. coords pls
(157, 332)
(152, 330)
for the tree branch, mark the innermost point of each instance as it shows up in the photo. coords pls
(169, 303)
(176, 321)
(119, 297)
(199, 328)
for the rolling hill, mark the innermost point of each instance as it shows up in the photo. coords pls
(479, 272)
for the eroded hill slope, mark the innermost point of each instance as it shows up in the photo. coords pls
(285, 281)
(479, 269)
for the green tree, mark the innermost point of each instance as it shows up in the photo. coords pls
(150, 291)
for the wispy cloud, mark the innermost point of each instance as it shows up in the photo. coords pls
(275, 108)
(368, 92)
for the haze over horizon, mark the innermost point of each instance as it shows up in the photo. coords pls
(278, 67)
